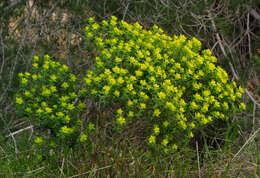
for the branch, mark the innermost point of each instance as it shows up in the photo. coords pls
(18, 131)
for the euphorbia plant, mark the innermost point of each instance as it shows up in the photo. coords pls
(50, 98)
(168, 81)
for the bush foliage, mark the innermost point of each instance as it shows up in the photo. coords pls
(49, 97)
(169, 81)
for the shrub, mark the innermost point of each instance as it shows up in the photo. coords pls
(168, 81)
(49, 97)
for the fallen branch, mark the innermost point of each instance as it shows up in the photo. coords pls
(246, 143)
(18, 131)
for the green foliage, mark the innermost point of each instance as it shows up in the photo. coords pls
(48, 97)
(169, 81)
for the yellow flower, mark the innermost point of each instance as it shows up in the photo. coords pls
(73, 78)
(142, 105)
(205, 108)
(138, 73)
(201, 73)
(93, 92)
(48, 110)
(210, 66)
(63, 105)
(53, 89)
(64, 98)
(165, 123)
(140, 54)
(183, 124)
(91, 20)
(192, 125)
(83, 138)
(105, 23)
(177, 76)
(34, 77)
(116, 70)
(28, 110)
(27, 74)
(206, 93)
(156, 130)
(130, 103)
(239, 95)
(52, 144)
(20, 75)
(170, 106)
(67, 119)
(53, 78)
(66, 130)
(91, 127)
(143, 82)
(70, 107)
(73, 95)
(165, 142)
(241, 90)
(106, 89)
(27, 94)
(204, 121)
(43, 104)
(19, 100)
(82, 105)
(46, 92)
(87, 81)
(35, 65)
(161, 95)
(193, 105)
(107, 72)
(89, 35)
(174, 147)
(114, 18)
(132, 78)
(156, 112)
(59, 114)
(225, 106)
(152, 79)
(206, 52)
(65, 85)
(130, 87)
(35, 59)
(116, 93)
(39, 111)
(24, 81)
(131, 114)
(121, 120)
(120, 80)
(46, 57)
(242, 106)
(46, 66)
(197, 97)
(38, 140)
(151, 139)
(119, 111)
(65, 68)
(191, 135)
(95, 26)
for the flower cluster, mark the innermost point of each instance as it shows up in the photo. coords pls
(166, 80)
(49, 97)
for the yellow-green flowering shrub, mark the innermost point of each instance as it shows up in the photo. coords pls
(169, 81)
(49, 97)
